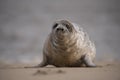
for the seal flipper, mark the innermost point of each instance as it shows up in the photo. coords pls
(42, 64)
(88, 61)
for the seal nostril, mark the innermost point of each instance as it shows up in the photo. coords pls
(60, 29)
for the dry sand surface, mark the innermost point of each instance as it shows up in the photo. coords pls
(109, 71)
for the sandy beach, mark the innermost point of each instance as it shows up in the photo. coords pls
(108, 71)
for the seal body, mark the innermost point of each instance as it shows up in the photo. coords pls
(68, 46)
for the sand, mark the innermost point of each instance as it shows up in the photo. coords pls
(108, 71)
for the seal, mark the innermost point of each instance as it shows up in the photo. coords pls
(68, 46)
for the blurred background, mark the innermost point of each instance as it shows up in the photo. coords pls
(25, 24)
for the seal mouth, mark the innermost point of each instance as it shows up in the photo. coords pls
(62, 31)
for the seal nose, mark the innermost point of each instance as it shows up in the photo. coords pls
(60, 29)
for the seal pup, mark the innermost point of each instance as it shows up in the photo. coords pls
(68, 46)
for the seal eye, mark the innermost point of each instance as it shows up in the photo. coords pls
(55, 25)
(66, 25)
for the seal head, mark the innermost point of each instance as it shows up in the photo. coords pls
(62, 29)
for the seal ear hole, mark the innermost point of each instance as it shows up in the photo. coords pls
(55, 25)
